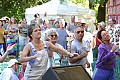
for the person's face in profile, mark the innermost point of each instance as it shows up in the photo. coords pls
(16, 66)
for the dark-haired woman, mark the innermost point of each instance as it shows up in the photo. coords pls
(36, 54)
(107, 52)
(95, 41)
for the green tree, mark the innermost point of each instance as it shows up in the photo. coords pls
(16, 8)
(98, 5)
(101, 14)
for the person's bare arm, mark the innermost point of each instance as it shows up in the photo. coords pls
(78, 58)
(59, 50)
(10, 47)
(2, 58)
(24, 54)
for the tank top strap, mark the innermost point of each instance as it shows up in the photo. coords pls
(32, 53)
(46, 46)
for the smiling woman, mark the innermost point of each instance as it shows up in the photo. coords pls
(51, 33)
(55, 59)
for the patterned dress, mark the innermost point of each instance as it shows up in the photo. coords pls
(12, 38)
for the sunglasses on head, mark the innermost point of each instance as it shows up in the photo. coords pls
(79, 32)
(53, 35)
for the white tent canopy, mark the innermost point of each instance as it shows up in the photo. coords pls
(54, 8)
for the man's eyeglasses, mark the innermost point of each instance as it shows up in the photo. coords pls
(53, 35)
(79, 32)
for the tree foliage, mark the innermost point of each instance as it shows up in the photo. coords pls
(84, 3)
(16, 8)
(98, 5)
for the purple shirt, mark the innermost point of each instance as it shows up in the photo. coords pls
(106, 59)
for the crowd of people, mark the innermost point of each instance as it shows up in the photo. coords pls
(45, 43)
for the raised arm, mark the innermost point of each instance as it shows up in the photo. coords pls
(10, 47)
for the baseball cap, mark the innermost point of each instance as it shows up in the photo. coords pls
(12, 62)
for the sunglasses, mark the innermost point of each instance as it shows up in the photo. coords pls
(79, 32)
(53, 35)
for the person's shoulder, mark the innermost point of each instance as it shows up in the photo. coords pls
(102, 45)
(7, 71)
(28, 45)
(74, 42)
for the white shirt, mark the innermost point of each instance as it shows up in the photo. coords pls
(8, 74)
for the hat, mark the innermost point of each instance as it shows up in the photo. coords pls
(83, 21)
(12, 62)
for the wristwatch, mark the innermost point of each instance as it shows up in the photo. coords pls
(111, 51)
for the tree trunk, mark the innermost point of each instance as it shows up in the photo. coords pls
(101, 13)
(91, 5)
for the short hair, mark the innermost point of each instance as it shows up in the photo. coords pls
(102, 25)
(30, 29)
(49, 31)
(77, 27)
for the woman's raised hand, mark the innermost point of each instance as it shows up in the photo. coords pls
(10, 47)
(115, 47)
